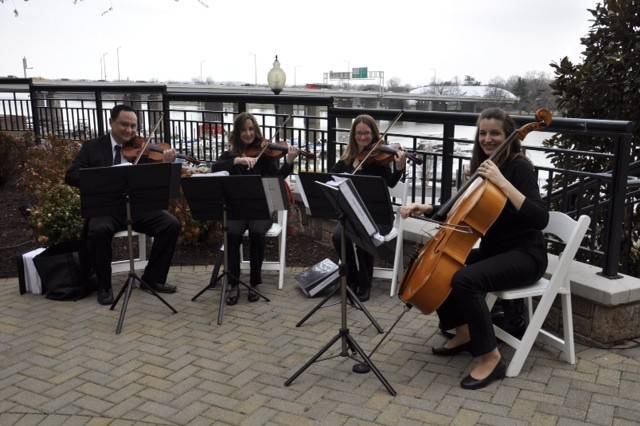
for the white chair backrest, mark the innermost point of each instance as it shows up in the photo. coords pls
(571, 232)
(399, 191)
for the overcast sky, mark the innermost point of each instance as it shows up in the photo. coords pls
(414, 41)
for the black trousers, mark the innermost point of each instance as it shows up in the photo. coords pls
(257, 230)
(466, 303)
(359, 275)
(160, 225)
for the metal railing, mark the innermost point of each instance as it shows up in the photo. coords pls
(196, 123)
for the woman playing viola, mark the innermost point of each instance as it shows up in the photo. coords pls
(245, 136)
(364, 132)
(512, 253)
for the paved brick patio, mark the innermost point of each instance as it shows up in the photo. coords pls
(62, 364)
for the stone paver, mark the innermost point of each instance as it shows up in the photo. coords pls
(62, 363)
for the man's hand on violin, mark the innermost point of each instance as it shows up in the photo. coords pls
(168, 155)
(292, 154)
(415, 208)
(248, 162)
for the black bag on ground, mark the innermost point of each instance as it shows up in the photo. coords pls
(64, 271)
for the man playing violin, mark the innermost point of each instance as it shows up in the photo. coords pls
(364, 133)
(244, 141)
(163, 227)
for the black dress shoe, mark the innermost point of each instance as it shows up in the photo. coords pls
(105, 296)
(161, 287)
(499, 372)
(363, 293)
(233, 296)
(252, 296)
(444, 351)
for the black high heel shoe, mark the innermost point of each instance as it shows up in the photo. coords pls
(444, 351)
(499, 372)
(253, 296)
(233, 296)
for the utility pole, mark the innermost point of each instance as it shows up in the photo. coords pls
(24, 66)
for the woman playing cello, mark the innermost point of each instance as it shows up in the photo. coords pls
(246, 137)
(511, 254)
(364, 132)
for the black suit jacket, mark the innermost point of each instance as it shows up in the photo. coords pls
(94, 153)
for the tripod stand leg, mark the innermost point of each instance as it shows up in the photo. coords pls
(354, 345)
(253, 289)
(125, 302)
(223, 297)
(318, 306)
(122, 290)
(214, 276)
(364, 310)
(152, 291)
(313, 359)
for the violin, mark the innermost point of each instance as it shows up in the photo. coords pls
(273, 150)
(385, 154)
(154, 152)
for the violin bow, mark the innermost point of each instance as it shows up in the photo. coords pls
(284, 123)
(395, 120)
(146, 143)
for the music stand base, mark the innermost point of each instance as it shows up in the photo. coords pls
(126, 289)
(347, 342)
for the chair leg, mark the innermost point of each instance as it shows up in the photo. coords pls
(567, 327)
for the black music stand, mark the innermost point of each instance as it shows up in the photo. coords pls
(320, 206)
(222, 198)
(351, 225)
(119, 191)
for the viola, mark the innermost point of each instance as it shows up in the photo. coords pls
(385, 154)
(476, 206)
(154, 152)
(273, 150)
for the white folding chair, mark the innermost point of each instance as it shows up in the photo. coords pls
(139, 262)
(278, 230)
(400, 193)
(571, 233)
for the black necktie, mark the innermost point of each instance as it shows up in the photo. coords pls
(117, 159)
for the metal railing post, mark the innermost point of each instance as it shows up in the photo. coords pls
(447, 161)
(35, 114)
(331, 139)
(99, 114)
(615, 213)
(166, 123)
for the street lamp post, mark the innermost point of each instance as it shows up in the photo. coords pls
(104, 64)
(255, 69)
(118, 59)
(276, 77)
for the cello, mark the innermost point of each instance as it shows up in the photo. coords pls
(476, 206)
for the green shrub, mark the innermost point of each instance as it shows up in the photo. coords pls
(56, 217)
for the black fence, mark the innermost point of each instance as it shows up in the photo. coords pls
(197, 123)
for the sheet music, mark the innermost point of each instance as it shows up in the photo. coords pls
(220, 173)
(274, 194)
(302, 194)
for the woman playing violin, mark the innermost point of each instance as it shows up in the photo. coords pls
(244, 138)
(364, 132)
(512, 253)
